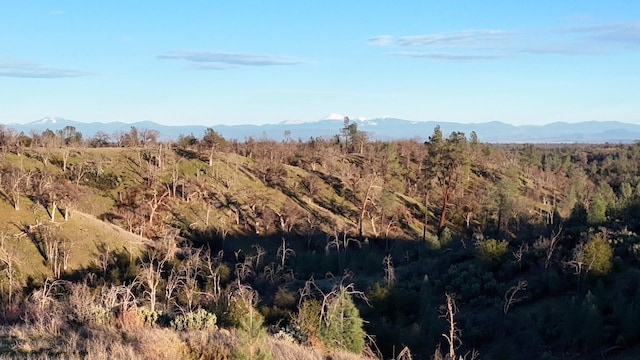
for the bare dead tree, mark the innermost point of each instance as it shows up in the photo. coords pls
(389, 270)
(308, 290)
(549, 245)
(511, 296)
(244, 270)
(65, 249)
(154, 203)
(150, 276)
(66, 153)
(191, 271)
(41, 308)
(9, 258)
(581, 263)
(367, 197)
(578, 261)
(81, 169)
(448, 312)
(404, 354)
(340, 241)
(175, 178)
(167, 243)
(330, 299)
(16, 180)
(69, 199)
(174, 282)
(104, 258)
(47, 185)
(259, 256)
(519, 254)
(54, 247)
(118, 298)
(553, 244)
(284, 253)
(391, 223)
(224, 227)
(269, 273)
(212, 272)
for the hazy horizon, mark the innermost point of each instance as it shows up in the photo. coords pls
(330, 117)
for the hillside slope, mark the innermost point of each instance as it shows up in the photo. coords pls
(531, 239)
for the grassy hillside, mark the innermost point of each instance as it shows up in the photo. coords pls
(86, 236)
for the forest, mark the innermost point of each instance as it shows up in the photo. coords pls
(121, 245)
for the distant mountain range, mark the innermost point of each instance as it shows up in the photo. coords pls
(379, 129)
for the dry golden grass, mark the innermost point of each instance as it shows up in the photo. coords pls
(29, 260)
(208, 344)
(85, 233)
(143, 343)
(155, 343)
(286, 350)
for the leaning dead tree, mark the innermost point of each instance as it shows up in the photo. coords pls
(511, 296)
(549, 245)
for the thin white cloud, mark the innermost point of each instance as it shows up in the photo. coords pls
(550, 49)
(35, 70)
(496, 43)
(212, 66)
(381, 40)
(212, 60)
(56, 12)
(463, 38)
(626, 34)
(447, 56)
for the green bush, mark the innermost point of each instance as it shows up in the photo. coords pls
(284, 299)
(432, 241)
(200, 319)
(148, 317)
(292, 334)
(101, 315)
(445, 237)
(308, 319)
(598, 253)
(491, 250)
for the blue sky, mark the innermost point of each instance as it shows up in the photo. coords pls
(253, 62)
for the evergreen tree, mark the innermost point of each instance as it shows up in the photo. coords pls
(342, 324)
(597, 213)
(445, 165)
(251, 332)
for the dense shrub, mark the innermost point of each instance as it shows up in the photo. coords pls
(200, 319)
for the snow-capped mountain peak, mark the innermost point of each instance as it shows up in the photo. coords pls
(48, 120)
(53, 121)
(334, 116)
(292, 122)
